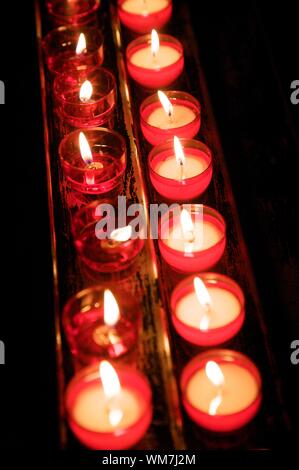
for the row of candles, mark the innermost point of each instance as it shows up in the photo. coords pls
(110, 407)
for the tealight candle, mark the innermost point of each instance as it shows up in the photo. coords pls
(221, 390)
(207, 309)
(169, 114)
(75, 12)
(69, 47)
(104, 251)
(97, 324)
(93, 161)
(141, 16)
(108, 408)
(86, 97)
(180, 169)
(155, 61)
(192, 240)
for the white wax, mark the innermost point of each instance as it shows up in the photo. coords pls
(139, 7)
(170, 168)
(240, 389)
(91, 409)
(225, 307)
(206, 235)
(182, 115)
(167, 55)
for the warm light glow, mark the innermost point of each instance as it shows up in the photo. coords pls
(202, 292)
(121, 234)
(111, 310)
(214, 373)
(167, 106)
(204, 323)
(85, 91)
(155, 43)
(81, 44)
(187, 226)
(178, 150)
(85, 149)
(112, 389)
(214, 405)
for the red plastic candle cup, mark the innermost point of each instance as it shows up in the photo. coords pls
(221, 390)
(70, 47)
(141, 16)
(93, 161)
(180, 169)
(102, 250)
(192, 237)
(207, 309)
(100, 323)
(108, 409)
(86, 97)
(73, 12)
(169, 114)
(155, 62)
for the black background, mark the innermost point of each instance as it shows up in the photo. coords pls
(250, 56)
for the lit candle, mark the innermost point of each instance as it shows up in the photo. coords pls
(76, 12)
(180, 169)
(169, 114)
(221, 390)
(155, 61)
(108, 408)
(97, 325)
(207, 309)
(192, 241)
(93, 161)
(142, 16)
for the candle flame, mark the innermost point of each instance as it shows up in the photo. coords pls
(111, 310)
(85, 91)
(115, 416)
(85, 149)
(178, 150)
(214, 405)
(112, 389)
(187, 226)
(81, 44)
(214, 373)
(204, 323)
(155, 43)
(165, 102)
(202, 293)
(121, 234)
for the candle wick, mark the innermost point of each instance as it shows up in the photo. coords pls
(182, 176)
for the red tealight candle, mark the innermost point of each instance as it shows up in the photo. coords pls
(141, 16)
(180, 169)
(169, 114)
(101, 250)
(221, 390)
(86, 97)
(192, 240)
(155, 62)
(70, 47)
(208, 309)
(93, 162)
(76, 12)
(108, 408)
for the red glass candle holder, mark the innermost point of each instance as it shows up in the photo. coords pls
(108, 165)
(184, 124)
(94, 330)
(212, 241)
(99, 252)
(143, 18)
(225, 315)
(241, 390)
(73, 12)
(80, 112)
(60, 47)
(84, 406)
(151, 73)
(170, 179)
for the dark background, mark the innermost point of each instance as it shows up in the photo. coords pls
(249, 53)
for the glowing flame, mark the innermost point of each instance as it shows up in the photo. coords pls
(85, 149)
(111, 310)
(121, 234)
(81, 44)
(214, 373)
(178, 150)
(85, 91)
(167, 106)
(204, 323)
(112, 389)
(202, 292)
(187, 226)
(155, 43)
(214, 404)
